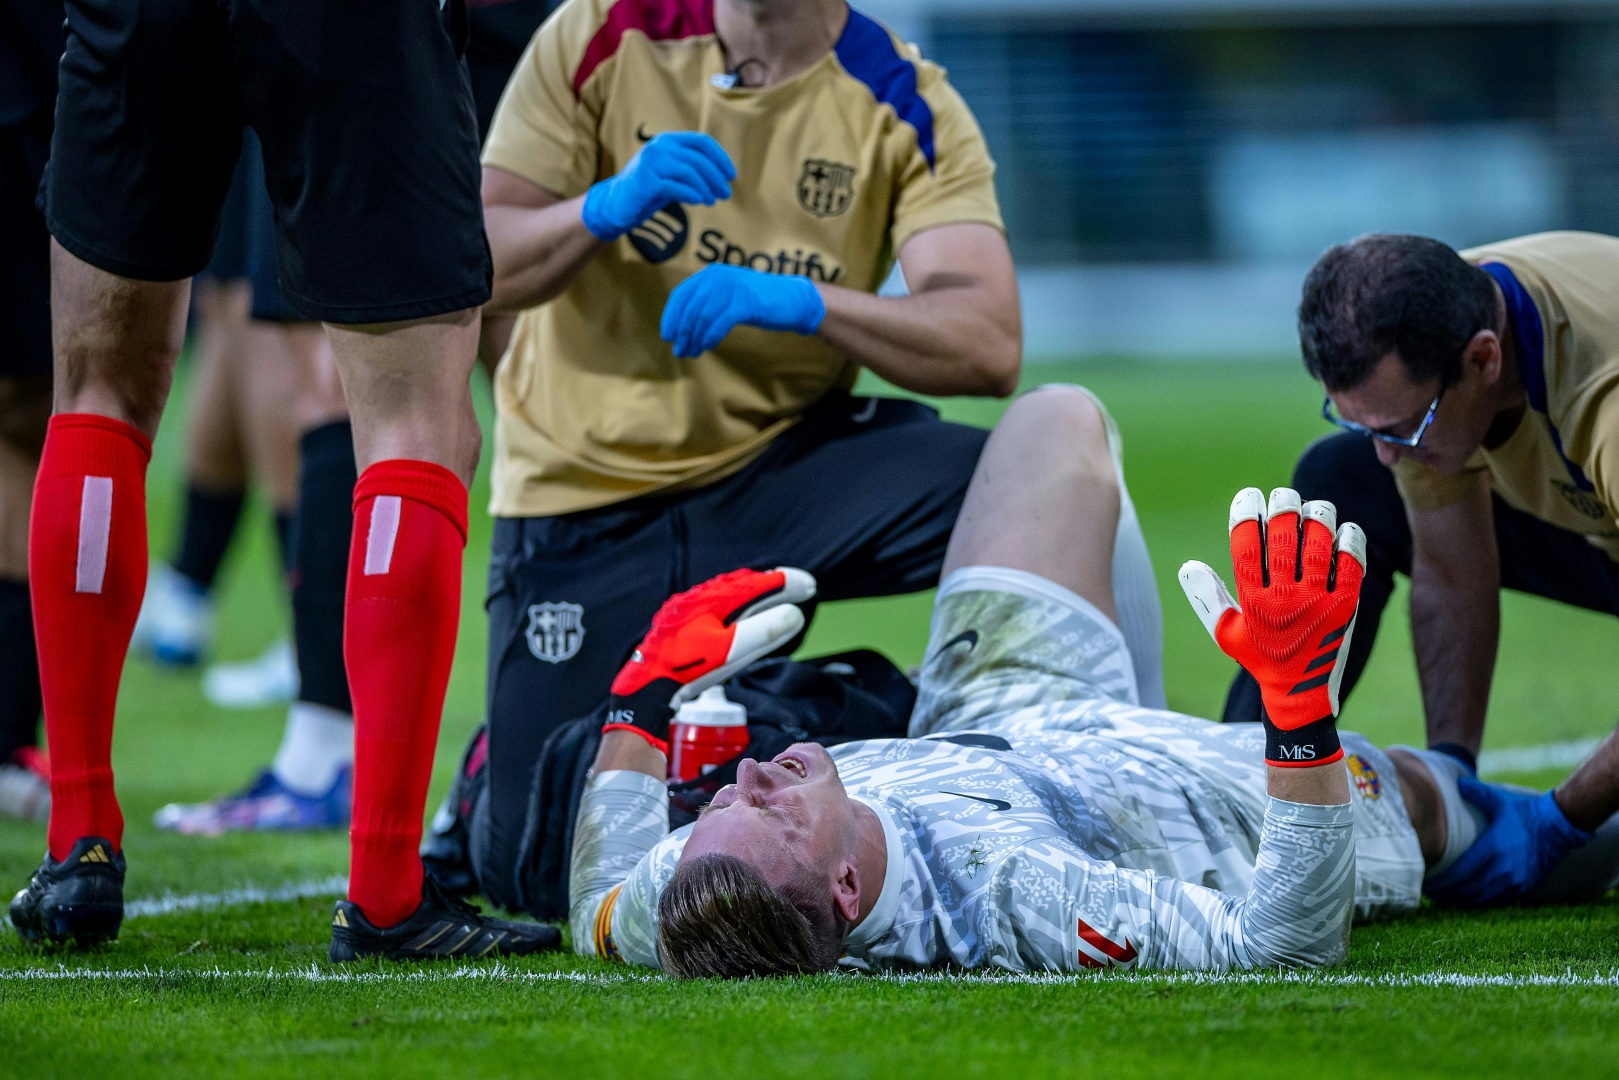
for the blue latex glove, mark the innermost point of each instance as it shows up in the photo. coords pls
(709, 304)
(674, 167)
(1527, 837)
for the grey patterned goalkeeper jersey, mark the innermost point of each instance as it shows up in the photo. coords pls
(1046, 822)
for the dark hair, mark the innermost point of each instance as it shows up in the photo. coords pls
(719, 918)
(1384, 293)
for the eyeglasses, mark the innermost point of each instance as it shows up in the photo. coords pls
(1415, 441)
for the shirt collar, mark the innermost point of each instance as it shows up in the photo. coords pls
(875, 926)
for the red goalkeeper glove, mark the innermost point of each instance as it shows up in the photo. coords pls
(1298, 580)
(700, 638)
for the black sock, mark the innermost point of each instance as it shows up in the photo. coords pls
(210, 522)
(320, 543)
(283, 541)
(19, 671)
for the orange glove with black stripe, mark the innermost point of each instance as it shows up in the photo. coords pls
(700, 638)
(1298, 583)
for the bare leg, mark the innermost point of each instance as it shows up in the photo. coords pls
(115, 341)
(416, 441)
(410, 391)
(318, 740)
(266, 387)
(317, 391)
(492, 341)
(215, 457)
(1045, 497)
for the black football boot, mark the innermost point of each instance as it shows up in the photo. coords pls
(447, 846)
(80, 898)
(442, 927)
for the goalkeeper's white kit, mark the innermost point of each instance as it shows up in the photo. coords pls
(1045, 821)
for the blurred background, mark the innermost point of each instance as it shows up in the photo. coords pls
(1170, 168)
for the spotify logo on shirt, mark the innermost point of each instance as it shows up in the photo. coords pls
(660, 237)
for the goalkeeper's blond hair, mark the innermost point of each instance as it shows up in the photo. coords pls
(719, 918)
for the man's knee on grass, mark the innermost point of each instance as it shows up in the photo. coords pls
(719, 918)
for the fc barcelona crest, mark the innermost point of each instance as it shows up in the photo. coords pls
(555, 631)
(825, 187)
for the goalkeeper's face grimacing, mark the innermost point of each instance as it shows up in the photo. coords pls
(791, 821)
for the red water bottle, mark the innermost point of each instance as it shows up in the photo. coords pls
(706, 733)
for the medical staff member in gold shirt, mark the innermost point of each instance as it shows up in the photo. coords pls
(1481, 452)
(693, 203)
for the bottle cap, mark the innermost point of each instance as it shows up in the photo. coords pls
(712, 708)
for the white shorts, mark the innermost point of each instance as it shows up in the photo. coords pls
(1013, 654)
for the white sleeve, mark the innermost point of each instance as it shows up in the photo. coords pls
(1056, 908)
(622, 817)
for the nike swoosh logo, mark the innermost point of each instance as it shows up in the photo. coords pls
(640, 133)
(969, 636)
(999, 804)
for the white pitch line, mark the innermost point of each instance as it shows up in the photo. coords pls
(1522, 759)
(170, 903)
(502, 973)
(316, 974)
(1391, 980)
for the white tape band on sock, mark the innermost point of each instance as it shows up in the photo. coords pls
(379, 541)
(95, 526)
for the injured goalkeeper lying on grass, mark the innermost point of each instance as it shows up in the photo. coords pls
(1039, 818)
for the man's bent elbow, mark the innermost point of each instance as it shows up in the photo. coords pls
(1002, 367)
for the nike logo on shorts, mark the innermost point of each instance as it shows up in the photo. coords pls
(969, 636)
(998, 804)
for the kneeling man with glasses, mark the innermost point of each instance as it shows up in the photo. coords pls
(1480, 451)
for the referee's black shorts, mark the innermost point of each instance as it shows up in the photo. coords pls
(366, 119)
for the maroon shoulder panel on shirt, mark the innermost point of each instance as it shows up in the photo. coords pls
(660, 20)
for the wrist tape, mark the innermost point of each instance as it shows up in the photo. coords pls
(1315, 743)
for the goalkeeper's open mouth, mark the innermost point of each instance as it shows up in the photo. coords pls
(792, 762)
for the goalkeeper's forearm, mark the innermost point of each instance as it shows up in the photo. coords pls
(1064, 910)
(1298, 908)
(1297, 911)
(623, 814)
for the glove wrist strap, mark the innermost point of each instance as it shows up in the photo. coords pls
(660, 745)
(1315, 743)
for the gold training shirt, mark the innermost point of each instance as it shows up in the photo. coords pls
(1562, 463)
(836, 169)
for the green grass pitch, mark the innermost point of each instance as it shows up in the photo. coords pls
(243, 988)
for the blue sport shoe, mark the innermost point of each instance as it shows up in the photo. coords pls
(267, 805)
(176, 623)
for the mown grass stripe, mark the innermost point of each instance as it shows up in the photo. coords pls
(503, 973)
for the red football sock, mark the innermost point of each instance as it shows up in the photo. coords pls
(87, 571)
(404, 608)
